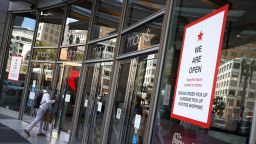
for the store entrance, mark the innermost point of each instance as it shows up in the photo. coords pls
(99, 75)
(66, 90)
(132, 99)
(41, 76)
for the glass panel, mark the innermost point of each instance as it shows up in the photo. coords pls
(107, 17)
(77, 22)
(118, 108)
(49, 27)
(99, 97)
(66, 90)
(234, 105)
(72, 53)
(140, 99)
(44, 54)
(143, 37)
(104, 49)
(41, 76)
(140, 9)
(84, 104)
(20, 45)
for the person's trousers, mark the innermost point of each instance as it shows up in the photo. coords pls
(39, 118)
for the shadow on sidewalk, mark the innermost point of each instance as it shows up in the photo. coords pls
(7, 135)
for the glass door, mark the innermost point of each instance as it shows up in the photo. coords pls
(66, 91)
(138, 108)
(81, 125)
(41, 76)
(99, 95)
(15, 65)
(126, 69)
(129, 121)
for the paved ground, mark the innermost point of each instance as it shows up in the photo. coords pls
(15, 129)
(6, 132)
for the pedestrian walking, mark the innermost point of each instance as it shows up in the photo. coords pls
(44, 104)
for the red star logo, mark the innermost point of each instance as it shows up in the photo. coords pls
(200, 36)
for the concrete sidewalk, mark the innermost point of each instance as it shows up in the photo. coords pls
(19, 127)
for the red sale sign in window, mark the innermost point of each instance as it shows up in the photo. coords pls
(198, 66)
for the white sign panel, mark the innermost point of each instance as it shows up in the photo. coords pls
(137, 121)
(32, 95)
(14, 71)
(118, 113)
(34, 84)
(86, 103)
(99, 106)
(67, 98)
(198, 65)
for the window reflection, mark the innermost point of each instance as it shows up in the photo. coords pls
(141, 95)
(140, 9)
(44, 54)
(143, 37)
(49, 27)
(72, 53)
(20, 45)
(76, 28)
(107, 18)
(104, 49)
(237, 104)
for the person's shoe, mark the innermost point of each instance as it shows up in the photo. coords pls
(41, 134)
(27, 133)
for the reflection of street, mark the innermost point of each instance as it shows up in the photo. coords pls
(236, 89)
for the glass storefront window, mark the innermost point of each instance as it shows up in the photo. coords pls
(233, 111)
(143, 37)
(132, 99)
(104, 49)
(140, 9)
(20, 45)
(72, 53)
(44, 54)
(49, 28)
(107, 18)
(76, 28)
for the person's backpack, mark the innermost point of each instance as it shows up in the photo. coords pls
(38, 99)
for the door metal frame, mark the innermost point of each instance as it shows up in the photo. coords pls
(61, 99)
(6, 42)
(29, 72)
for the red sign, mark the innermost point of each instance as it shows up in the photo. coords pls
(198, 67)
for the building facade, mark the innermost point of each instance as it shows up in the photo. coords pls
(113, 65)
